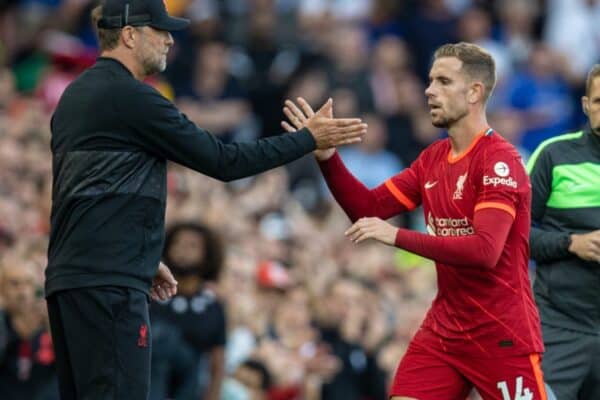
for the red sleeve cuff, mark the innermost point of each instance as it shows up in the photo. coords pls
(401, 197)
(497, 205)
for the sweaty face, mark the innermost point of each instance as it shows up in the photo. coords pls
(591, 103)
(447, 92)
(153, 49)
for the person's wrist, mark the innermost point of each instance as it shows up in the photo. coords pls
(395, 237)
(324, 155)
(569, 242)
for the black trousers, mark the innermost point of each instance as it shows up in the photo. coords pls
(571, 363)
(102, 342)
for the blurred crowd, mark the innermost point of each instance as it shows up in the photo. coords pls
(274, 302)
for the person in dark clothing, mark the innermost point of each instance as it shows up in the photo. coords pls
(174, 369)
(111, 138)
(195, 255)
(358, 376)
(565, 243)
(27, 369)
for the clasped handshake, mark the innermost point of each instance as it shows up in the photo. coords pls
(328, 132)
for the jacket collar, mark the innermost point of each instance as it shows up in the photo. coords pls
(113, 63)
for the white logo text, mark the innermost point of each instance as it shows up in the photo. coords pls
(499, 181)
(449, 226)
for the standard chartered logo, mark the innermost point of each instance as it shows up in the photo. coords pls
(499, 181)
(449, 226)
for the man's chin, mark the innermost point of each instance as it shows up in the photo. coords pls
(155, 69)
(439, 123)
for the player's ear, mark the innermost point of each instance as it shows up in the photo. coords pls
(585, 104)
(476, 92)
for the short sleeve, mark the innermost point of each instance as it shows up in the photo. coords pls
(500, 180)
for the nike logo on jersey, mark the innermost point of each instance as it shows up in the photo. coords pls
(429, 185)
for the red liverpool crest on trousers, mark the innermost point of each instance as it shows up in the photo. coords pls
(143, 339)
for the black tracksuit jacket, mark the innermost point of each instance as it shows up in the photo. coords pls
(111, 138)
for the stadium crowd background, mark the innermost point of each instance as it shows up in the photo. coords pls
(326, 319)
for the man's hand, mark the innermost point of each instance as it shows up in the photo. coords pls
(328, 132)
(164, 285)
(372, 228)
(586, 246)
(296, 116)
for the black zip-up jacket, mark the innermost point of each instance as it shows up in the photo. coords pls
(565, 179)
(111, 138)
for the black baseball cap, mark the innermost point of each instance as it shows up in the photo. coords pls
(119, 13)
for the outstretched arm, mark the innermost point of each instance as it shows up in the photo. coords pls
(162, 130)
(355, 198)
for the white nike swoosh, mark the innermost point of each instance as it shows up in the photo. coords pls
(429, 185)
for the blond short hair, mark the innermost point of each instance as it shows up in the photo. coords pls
(477, 63)
(593, 74)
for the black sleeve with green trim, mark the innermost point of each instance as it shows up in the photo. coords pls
(545, 246)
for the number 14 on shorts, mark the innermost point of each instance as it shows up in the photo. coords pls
(520, 392)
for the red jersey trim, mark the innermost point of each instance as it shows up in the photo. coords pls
(499, 206)
(405, 201)
(458, 157)
(539, 376)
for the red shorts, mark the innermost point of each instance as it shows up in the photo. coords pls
(426, 373)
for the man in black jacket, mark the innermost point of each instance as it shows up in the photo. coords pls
(565, 242)
(111, 138)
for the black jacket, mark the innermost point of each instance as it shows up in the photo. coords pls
(565, 179)
(111, 138)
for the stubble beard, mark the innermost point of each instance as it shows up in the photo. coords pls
(151, 60)
(441, 123)
(447, 122)
(154, 64)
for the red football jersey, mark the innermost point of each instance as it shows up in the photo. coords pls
(477, 311)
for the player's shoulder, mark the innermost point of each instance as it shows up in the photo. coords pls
(495, 144)
(498, 154)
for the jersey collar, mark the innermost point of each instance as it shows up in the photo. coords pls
(454, 159)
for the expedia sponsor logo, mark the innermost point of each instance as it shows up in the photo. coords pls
(495, 181)
(449, 226)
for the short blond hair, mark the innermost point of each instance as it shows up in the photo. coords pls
(593, 74)
(477, 63)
